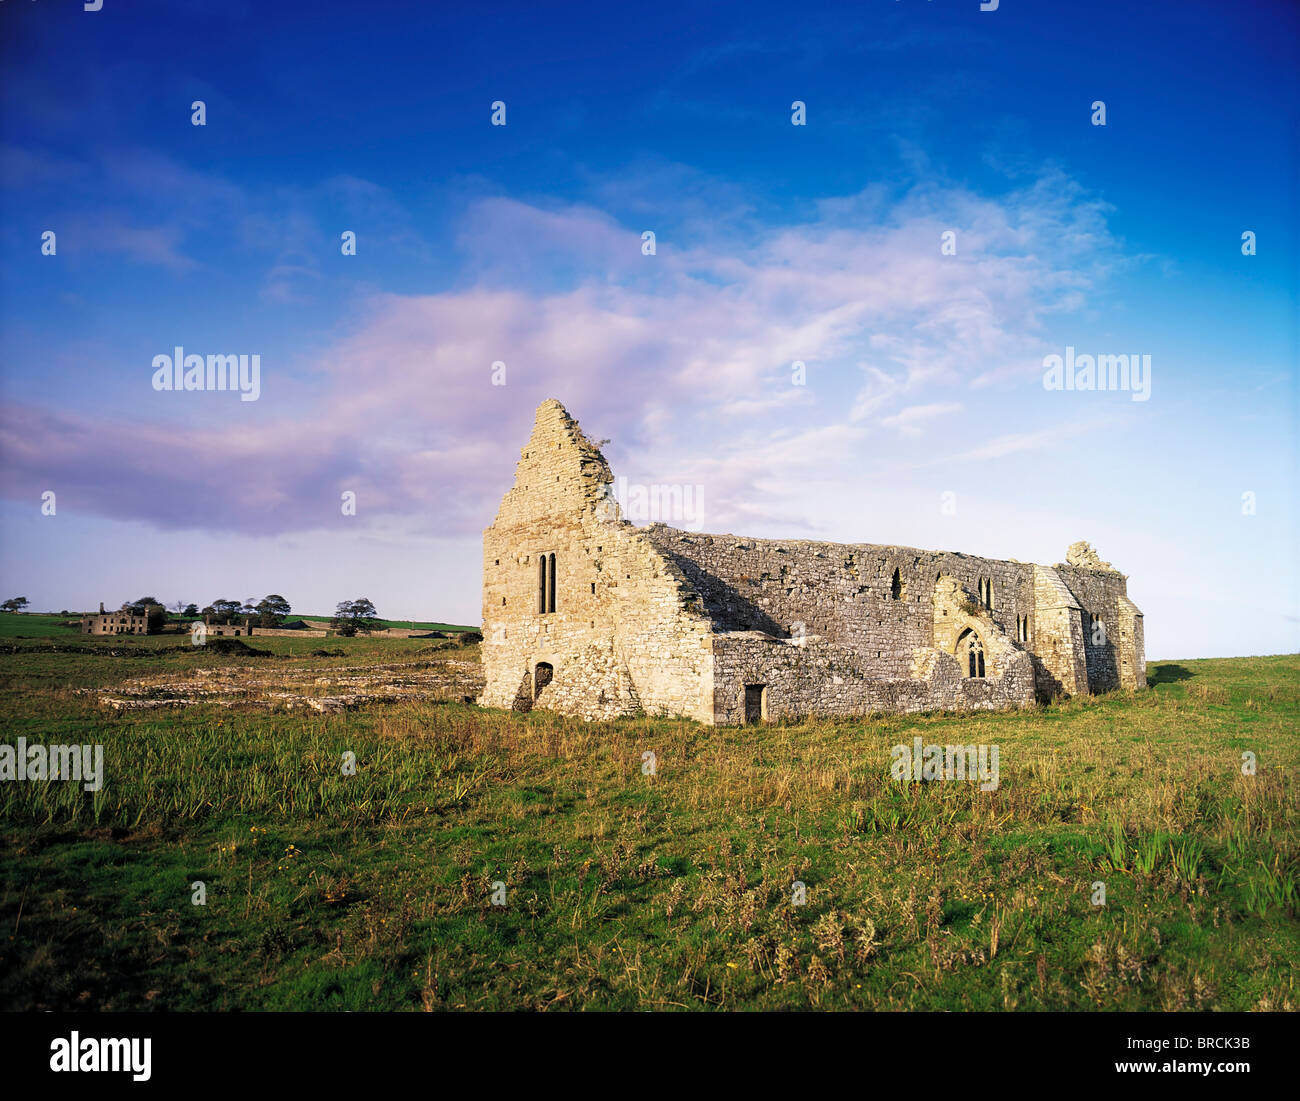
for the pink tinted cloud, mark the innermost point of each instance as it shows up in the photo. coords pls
(652, 351)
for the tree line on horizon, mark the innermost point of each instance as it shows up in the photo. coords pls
(350, 616)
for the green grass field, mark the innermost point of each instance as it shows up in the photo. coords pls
(629, 891)
(36, 626)
(417, 625)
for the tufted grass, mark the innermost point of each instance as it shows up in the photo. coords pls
(630, 891)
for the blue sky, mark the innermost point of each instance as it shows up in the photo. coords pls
(923, 420)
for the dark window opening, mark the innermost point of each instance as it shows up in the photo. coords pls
(755, 703)
(970, 654)
(545, 583)
(896, 586)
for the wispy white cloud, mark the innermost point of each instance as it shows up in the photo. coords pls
(684, 358)
(910, 419)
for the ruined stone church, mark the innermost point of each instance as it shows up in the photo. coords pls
(588, 615)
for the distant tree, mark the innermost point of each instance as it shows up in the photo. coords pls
(14, 604)
(222, 611)
(191, 609)
(271, 610)
(151, 608)
(352, 616)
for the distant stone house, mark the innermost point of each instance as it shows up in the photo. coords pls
(587, 615)
(133, 621)
(223, 630)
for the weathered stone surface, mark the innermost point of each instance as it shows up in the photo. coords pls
(1082, 555)
(587, 615)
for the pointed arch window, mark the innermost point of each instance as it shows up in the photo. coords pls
(970, 654)
(896, 586)
(545, 583)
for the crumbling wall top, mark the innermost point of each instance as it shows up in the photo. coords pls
(1082, 556)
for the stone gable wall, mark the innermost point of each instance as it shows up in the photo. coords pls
(623, 637)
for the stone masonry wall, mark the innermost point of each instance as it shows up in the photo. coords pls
(1133, 652)
(860, 638)
(1059, 661)
(842, 592)
(623, 637)
(660, 620)
(815, 677)
(1111, 649)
